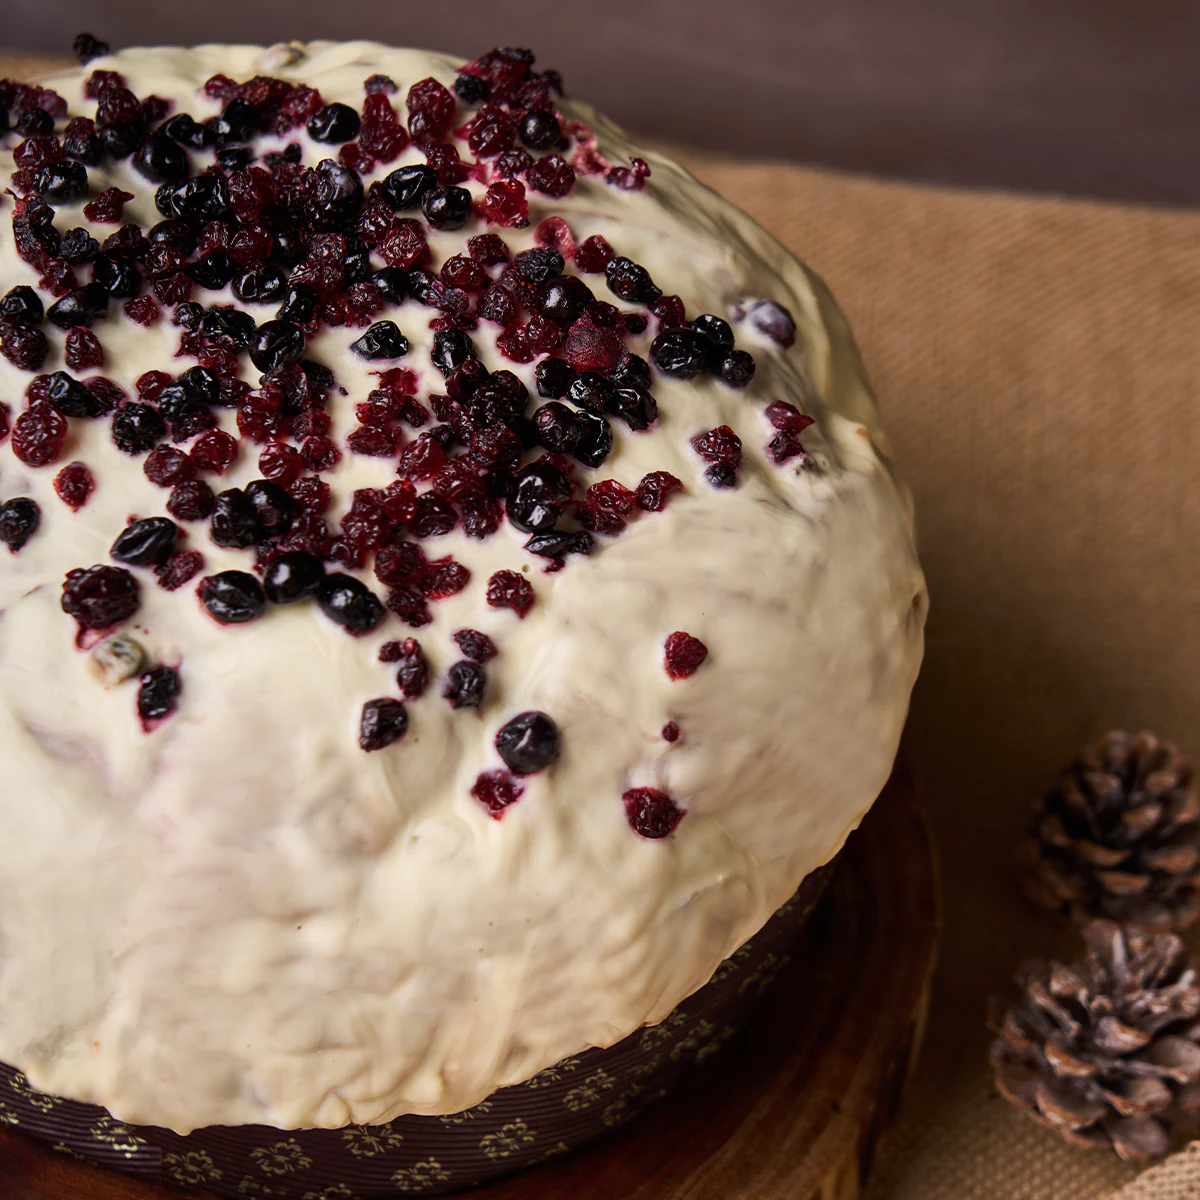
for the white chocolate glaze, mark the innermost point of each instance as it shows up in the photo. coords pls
(242, 917)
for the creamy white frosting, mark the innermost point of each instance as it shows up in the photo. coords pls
(242, 917)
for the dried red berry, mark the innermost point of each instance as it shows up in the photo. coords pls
(476, 646)
(431, 111)
(510, 589)
(214, 451)
(25, 346)
(592, 347)
(382, 136)
(108, 207)
(504, 204)
(652, 813)
(683, 655)
(166, 466)
(143, 310)
(421, 459)
(39, 434)
(191, 500)
(83, 350)
(654, 489)
(719, 445)
(552, 176)
(412, 673)
(74, 485)
(611, 496)
(670, 732)
(441, 578)
(496, 790)
(101, 596)
(179, 569)
(488, 249)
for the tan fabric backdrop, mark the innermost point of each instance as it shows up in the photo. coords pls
(1038, 363)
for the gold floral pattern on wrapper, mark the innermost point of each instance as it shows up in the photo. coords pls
(552, 1113)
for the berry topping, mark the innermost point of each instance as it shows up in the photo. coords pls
(447, 207)
(539, 129)
(100, 596)
(334, 124)
(405, 187)
(87, 47)
(774, 321)
(681, 352)
(158, 694)
(19, 520)
(179, 569)
(144, 542)
(382, 341)
(293, 575)
(510, 589)
(716, 331)
(595, 440)
(683, 655)
(553, 377)
(166, 466)
(629, 281)
(670, 732)
(278, 343)
(383, 722)
(38, 435)
(214, 451)
(412, 670)
(552, 176)
(721, 475)
(736, 368)
(720, 445)
(465, 685)
(496, 790)
(22, 304)
(82, 349)
(650, 812)
(539, 493)
(137, 427)
(80, 307)
(528, 743)
(235, 520)
(23, 345)
(654, 489)
(69, 397)
(350, 603)
(476, 646)
(557, 426)
(191, 500)
(232, 597)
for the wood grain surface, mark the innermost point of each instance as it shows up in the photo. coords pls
(792, 1111)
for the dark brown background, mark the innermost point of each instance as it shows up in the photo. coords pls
(1092, 97)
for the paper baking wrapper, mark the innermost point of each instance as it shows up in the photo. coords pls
(553, 1113)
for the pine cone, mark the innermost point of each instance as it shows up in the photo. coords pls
(1105, 1052)
(1118, 837)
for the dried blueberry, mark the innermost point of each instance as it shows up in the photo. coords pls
(557, 427)
(117, 276)
(260, 283)
(350, 603)
(540, 129)
(406, 187)
(334, 124)
(721, 475)
(119, 140)
(273, 506)
(278, 343)
(383, 722)
(201, 385)
(197, 200)
(100, 596)
(681, 352)
(161, 160)
(465, 685)
(22, 304)
(232, 597)
(292, 576)
(595, 439)
(336, 195)
(235, 520)
(716, 331)
(62, 182)
(80, 307)
(631, 372)
(186, 131)
(81, 142)
(528, 743)
(447, 207)
(592, 392)
(70, 397)
(238, 122)
(539, 493)
(382, 340)
(636, 407)
(174, 234)
(19, 519)
(471, 90)
(553, 377)
(630, 281)
(144, 542)
(392, 284)
(78, 246)
(736, 368)
(158, 693)
(137, 427)
(451, 347)
(299, 303)
(213, 271)
(230, 325)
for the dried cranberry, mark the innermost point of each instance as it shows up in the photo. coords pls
(83, 349)
(143, 310)
(87, 47)
(431, 111)
(683, 655)
(592, 347)
(552, 176)
(108, 207)
(101, 596)
(74, 485)
(594, 254)
(504, 204)
(232, 597)
(38, 435)
(651, 813)
(214, 451)
(496, 790)
(499, 305)
(513, 163)
(476, 646)
(166, 466)
(670, 732)
(719, 445)
(466, 683)
(25, 346)
(480, 518)
(654, 488)
(178, 569)
(442, 578)
(106, 395)
(488, 249)
(19, 519)
(191, 500)
(510, 589)
(320, 454)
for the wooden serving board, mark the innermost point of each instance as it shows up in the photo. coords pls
(793, 1110)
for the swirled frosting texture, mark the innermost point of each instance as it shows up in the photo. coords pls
(242, 917)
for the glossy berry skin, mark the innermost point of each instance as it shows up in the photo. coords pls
(62, 182)
(117, 276)
(292, 576)
(405, 187)
(277, 343)
(238, 122)
(630, 281)
(273, 507)
(476, 646)
(136, 428)
(496, 790)
(299, 303)
(25, 346)
(334, 124)
(232, 597)
(553, 377)
(261, 283)
(466, 683)
(721, 475)
(510, 589)
(447, 207)
(716, 331)
(392, 284)
(412, 670)
(382, 341)
(451, 348)
(213, 271)
(528, 743)
(232, 326)
(69, 397)
(683, 655)
(185, 130)
(235, 520)
(383, 722)
(100, 596)
(142, 543)
(651, 813)
(539, 129)
(557, 427)
(562, 300)
(539, 494)
(161, 160)
(22, 304)
(350, 603)
(595, 440)
(80, 307)
(471, 90)
(681, 352)
(158, 694)
(736, 368)
(19, 519)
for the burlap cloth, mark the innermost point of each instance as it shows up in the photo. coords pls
(1038, 365)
